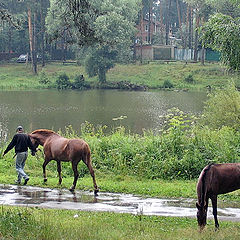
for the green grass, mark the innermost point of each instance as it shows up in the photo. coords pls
(20, 77)
(34, 223)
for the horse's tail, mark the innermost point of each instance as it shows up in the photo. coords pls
(203, 187)
(88, 162)
(87, 155)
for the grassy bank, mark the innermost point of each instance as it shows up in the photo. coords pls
(153, 75)
(33, 223)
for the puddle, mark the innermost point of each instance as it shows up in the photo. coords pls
(111, 202)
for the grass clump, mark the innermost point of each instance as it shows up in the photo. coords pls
(189, 79)
(167, 84)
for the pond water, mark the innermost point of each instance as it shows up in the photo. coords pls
(57, 109)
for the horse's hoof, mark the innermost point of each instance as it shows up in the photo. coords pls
(45, 179)
(96, 192)
(71, 189)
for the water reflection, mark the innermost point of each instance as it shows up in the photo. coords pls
(57, 109)
(111, 202)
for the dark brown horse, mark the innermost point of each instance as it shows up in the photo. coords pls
(58, 148)
(215, 179)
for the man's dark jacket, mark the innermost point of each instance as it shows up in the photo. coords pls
(21, 142)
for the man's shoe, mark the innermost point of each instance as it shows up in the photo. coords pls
(26, 181)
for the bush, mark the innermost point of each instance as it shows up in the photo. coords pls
(223, 109)
(79, 83)
(43, 78)
(63, 81)
(189, 79)
(167, 84)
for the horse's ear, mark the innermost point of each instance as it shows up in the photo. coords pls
(198, 206)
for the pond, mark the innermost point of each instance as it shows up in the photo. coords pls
(56, 109)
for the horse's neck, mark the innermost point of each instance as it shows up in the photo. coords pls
(43, 139)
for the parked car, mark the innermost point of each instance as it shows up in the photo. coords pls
(22, 58)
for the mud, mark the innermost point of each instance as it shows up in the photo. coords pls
(111, 202)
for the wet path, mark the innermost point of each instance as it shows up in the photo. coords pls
(113, 202)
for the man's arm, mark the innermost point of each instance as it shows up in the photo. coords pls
(11, 145)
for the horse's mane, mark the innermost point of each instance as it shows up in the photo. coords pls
(45, 132)
(203, 179)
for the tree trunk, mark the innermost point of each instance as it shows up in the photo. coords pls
(179, 19)
(187, 28)
(190, 29)
(168, 6)
(203, 56)
(196, 38)
(42, 34)
(9, 41)
(141, 39)
(161, 24)
(34, 60)
(102, 75)
(150, 22)
(30, 31)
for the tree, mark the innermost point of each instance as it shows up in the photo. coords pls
(108, 26)
(222, 33)
(6, 15)
(227, 7)
(99, 62)
(201, 11)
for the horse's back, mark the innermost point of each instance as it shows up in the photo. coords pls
(220, 178)
(227, 175)
(64, 149)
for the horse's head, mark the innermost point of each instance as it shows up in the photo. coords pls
(201, 215)
(34, 140)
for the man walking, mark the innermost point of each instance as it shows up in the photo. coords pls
(21, 142)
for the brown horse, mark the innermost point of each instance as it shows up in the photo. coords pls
(58, 148)
(215, 179)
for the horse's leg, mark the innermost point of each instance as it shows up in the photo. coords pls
(44, 169)
(214, 205)
(87, 161)
(75, 171)
(59, 169)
